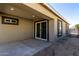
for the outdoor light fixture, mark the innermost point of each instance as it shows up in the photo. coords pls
(11, 9)
(33, 16)
(36, 17)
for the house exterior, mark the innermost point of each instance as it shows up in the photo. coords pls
(22, 21)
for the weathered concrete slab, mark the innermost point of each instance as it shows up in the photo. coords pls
(23, 47)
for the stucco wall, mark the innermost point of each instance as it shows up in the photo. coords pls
(16, 32)
(51, 30)
(55, 28)
(64, 28)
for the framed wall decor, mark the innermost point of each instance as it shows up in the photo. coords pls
(9, 20)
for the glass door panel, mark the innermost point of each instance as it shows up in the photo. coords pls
(43, 30)
(38, 30)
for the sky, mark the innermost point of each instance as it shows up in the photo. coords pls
(70, 11)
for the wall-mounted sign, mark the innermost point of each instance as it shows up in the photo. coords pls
(9, 20)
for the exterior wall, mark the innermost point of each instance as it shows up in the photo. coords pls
(51, 30)
(16, 32)
(55, 28)
(64, 28)
(52, 23)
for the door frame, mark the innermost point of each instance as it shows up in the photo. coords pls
(47, 30)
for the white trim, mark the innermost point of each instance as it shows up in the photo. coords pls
(40, 32)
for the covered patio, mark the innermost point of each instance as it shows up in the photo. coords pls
(23, 39)
(32, 24)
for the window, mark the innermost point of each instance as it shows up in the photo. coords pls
(9, 20)
(66, 29)
(59, 26)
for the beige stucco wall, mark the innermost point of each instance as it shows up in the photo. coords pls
(51, 30)
(55, 28)
(64, 28)
(16, 32)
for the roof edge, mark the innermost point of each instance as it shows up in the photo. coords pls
(54, 11)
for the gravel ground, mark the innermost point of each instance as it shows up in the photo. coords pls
(66, 47)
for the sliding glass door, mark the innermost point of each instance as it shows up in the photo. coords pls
(41, 30)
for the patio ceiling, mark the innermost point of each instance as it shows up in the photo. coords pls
(21, 10)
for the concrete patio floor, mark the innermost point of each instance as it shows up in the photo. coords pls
(23, 47)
